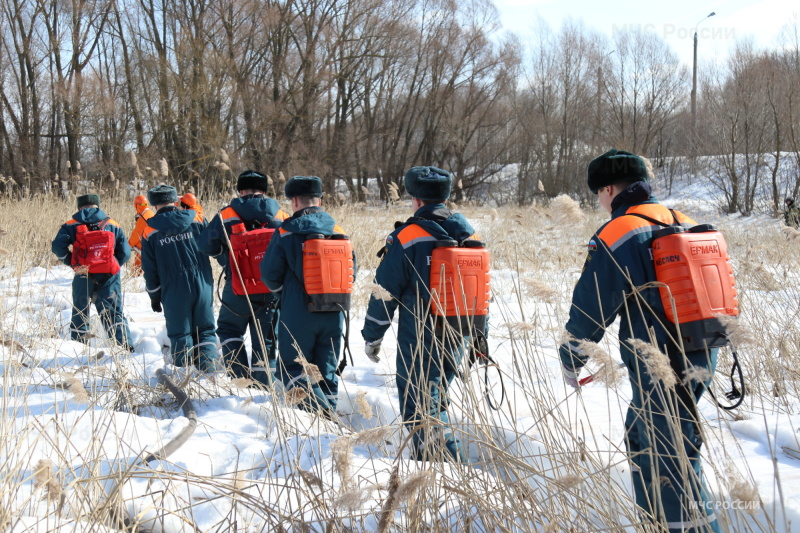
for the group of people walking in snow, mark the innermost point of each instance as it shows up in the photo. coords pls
(176, 243)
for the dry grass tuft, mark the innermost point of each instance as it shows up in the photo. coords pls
(414, 484)
(241, 383)
(738, 332)
(311, 479)
(76, 389)
(569, 481)
(609, 372)
(741, 490)
(44, 479)
(656, 362)
(565, 210)
(311, 371)
(392, 502)
(342, 454)
(375, 436)
(295, 396)
(362, 405)
(379, 292)
(353, 499)
(540, 290)
(791, 233)
(697, 374)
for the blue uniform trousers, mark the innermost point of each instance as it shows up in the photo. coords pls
(106, 291)
(234, 320)
(664, 450)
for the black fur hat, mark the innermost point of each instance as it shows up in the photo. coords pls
(428, 183)
(615, 166)
(303, 186)
(162, 195)
(88, 199)
(250, 179)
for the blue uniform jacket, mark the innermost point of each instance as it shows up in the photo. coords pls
(619, 260)
(405, 271)
(282, 267)
(170, 253)
(90, 215)
(250, 210)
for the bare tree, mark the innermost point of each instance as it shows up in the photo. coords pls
(643, 90)
(79, 23)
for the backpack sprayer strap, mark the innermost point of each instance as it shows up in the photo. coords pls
(657, 222)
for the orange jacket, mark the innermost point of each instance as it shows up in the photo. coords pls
(138, 230)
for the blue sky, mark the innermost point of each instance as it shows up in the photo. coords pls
(674, 20)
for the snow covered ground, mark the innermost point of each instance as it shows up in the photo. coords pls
(80, 419)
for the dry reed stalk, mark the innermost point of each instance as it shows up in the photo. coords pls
(519, 328)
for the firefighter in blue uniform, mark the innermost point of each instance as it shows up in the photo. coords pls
(316, 336)
(105, 289)
(178, 280)
(253, 209)
(427, 360)
(617, 280)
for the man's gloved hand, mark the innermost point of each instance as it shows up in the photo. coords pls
(81, 270)
(372, 349)
(155, 304)
(571, 376)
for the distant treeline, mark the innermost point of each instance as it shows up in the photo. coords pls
(100, 92)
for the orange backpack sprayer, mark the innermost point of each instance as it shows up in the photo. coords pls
(460, 284)
(248, 249)
(94, 248)
(328, 272)
(697, 286)
(460, 294)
